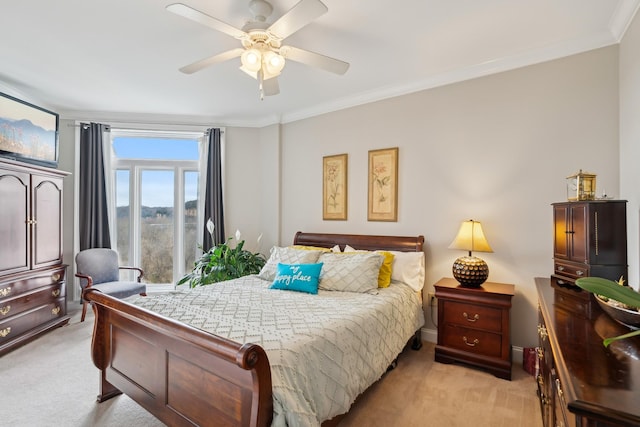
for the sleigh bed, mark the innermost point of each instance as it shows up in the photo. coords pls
(186, 375)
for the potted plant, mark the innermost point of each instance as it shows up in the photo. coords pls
(224, 262)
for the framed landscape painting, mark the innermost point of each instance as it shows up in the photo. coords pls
(28, 133)
(383, 185)
(334, 187)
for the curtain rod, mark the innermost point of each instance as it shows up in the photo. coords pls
(109, 127)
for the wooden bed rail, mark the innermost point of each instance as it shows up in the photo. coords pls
(186, 376)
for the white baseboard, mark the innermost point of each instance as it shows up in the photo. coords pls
(431, 335)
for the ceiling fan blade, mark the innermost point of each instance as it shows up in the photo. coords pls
(204, 19)
(297, 17)
(314, 59)
(270, 86)
(224, 56)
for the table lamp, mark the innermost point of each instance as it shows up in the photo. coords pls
(470, 270)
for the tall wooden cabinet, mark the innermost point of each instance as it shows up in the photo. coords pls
(590, 239)
(32, 275)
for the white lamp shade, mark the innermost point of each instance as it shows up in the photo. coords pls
(251, 60)
(273, 63)
(471, 238)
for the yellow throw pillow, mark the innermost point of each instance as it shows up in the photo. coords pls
(384, 276)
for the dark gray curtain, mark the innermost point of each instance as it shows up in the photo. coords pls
(94, 221)
(213, 192)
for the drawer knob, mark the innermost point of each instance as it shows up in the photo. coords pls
(540, 352)
(55, 293)
(5, 291)
(580, 272)
(560, 268)
(55, 311)
(55, 277)
(4, 332)
(5, 310)
(471, 319)
(471, 344)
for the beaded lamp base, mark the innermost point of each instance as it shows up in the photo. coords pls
(470, 271)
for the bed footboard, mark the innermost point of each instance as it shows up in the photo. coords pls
(182, 375)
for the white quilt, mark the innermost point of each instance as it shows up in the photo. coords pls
(324, 349)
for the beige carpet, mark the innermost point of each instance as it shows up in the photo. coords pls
(52, 382)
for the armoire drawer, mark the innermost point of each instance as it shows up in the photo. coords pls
(571, 271)
(35, 280)
(28, 300)
(23, 322)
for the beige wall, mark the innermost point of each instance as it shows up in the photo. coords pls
(496, 149)
(630, 142)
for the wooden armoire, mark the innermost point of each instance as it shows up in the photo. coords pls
(590, 239)
(32, 274)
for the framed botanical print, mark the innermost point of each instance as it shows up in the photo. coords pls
(334, 187)
(383, 185)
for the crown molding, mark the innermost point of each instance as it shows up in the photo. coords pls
(622, 18)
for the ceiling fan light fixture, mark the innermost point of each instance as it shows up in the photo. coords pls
(251, 60)
(273, 62)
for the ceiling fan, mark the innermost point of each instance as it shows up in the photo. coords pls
(262, 54)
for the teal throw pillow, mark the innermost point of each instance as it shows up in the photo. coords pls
(297, 277)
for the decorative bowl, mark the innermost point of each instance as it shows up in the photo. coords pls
(624, 316)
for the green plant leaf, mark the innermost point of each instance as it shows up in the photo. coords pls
(610, 289)
(608, 341)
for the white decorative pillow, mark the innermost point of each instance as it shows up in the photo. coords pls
(408, 268)
(336, 249)
(288, 255)
(354, 272)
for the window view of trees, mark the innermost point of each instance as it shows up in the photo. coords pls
(157, 239)
(156, 209)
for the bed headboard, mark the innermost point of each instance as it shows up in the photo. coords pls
(361, 241)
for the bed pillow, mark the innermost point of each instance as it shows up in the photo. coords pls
(287, 255)
(297, 277)
(384, 274)
(311, 248)
(386, 269)
(408, 268)
(354, 272)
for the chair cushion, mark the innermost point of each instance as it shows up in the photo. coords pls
(121, 289)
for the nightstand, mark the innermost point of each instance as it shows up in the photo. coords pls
(473, 325)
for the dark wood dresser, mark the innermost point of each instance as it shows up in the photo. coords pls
(582, 383)
(473, 325)
(32, 275)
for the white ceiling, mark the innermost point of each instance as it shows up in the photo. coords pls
(119, 59)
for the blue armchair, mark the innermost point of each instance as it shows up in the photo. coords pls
(98, 268)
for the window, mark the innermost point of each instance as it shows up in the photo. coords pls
(155, 179)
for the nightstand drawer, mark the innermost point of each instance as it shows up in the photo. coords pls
(473, 316)
(473, 341)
